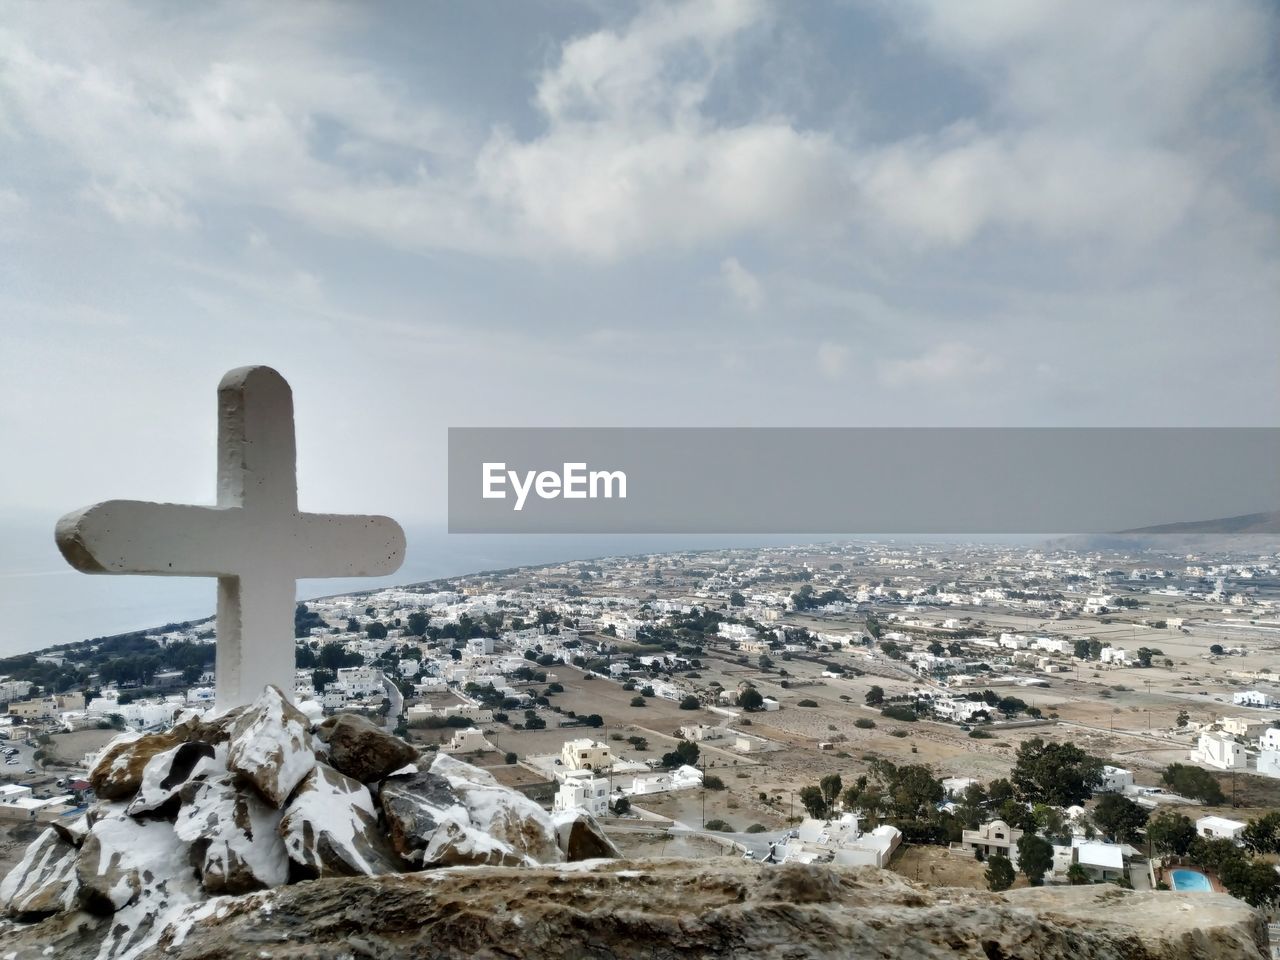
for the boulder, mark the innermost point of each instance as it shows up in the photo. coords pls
(117, 771)
(580, 837)
(166, 772)
(209, 726)
(121, 857)
(235, 838)
(504, 814)
(455, 843)
(44, 881)
(330, 827)
(413, 806)
(360, 749)
(72, 831)
(271, 746)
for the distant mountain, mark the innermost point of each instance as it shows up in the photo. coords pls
(1248, 523)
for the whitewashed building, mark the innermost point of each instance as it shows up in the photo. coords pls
(580, 790)
(1219, 752)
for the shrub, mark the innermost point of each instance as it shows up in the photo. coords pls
(807, 703)
(900, 734)
(720, 826)
(511, 757)
(712, 782)
(637, 701)
(689, 703)
(977, 733)
(900, 711)
(864, 723)
(756, 828)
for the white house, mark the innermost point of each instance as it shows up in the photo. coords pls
(994, 837)
(958, 709)
(359, 681)
(1116, 656)
(1269, 739)
(580, 790)
(1115, 780)
(954, 787)
(1219, 752)
(470, 740)
(1246, 728)
(1252, 698)
(1219, 827)
(1102, 861)
(1269, 763)
(841, 842)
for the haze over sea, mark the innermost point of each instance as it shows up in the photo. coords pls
(44, 602)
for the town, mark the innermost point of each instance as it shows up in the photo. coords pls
(965, 715)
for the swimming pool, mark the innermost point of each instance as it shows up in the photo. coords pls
(1191, 880)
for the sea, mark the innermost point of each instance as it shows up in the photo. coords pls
(44, 602)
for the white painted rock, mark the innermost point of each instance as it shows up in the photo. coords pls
(330, 827)
(166, 772)
(117, 771)
(455, 843)
(235, 837)
(580, 837)
(121, 857)
(506, 815)
(272, 746)
(44, 881)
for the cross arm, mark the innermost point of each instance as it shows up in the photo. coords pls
(133, 536)
(347, 545)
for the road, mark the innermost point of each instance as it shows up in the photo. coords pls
(396, 700)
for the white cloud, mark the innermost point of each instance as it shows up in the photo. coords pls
(1095, 130)
(743, 285)
(833, 360)
(944, 363)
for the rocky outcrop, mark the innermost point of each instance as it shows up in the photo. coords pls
(117, 772)
(121, 857)
(580, 837)
(235, 837)
(413, 805)
(137, 876)
(44, 882)
(670, 909)
(362, 750)
(166, 772)
(498, 812)
(331, 827)
(271, 746)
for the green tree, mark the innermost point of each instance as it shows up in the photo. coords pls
(1171, 832)
(1078, 875)
(1253, 881)
(814, 801)
(689, 703)
(737, 600)
(1119, 818)
(685, 754)
(830, 786)
(875, 696)
(1184, 718)
(417, 623)
(999, 873)
(751, 700)
(1262, 835)
(1060, 774)
(1035, 857)
(1194, 782)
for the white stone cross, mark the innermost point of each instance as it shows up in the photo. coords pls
(254, 541)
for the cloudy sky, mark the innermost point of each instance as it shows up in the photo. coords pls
(586, 213)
